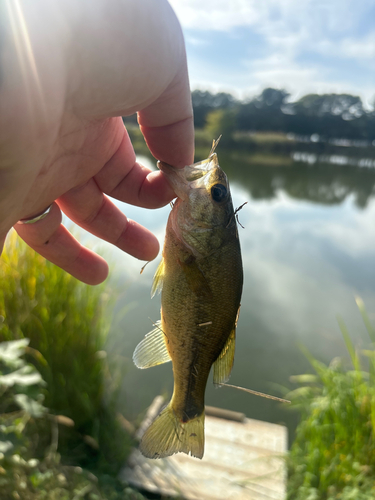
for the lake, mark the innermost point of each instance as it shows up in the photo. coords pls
(308, 248)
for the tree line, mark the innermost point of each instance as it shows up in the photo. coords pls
(327, 115)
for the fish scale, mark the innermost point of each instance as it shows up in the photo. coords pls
(201, 281)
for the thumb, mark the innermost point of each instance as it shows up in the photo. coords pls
(167, 124)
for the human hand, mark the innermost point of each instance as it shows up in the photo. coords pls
(68, 72)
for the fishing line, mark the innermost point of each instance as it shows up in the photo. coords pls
(256, 393)
(158, 327)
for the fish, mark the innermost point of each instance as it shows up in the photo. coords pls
(200, 278)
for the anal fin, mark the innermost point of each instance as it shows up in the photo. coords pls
(224, 363)
(152, 350)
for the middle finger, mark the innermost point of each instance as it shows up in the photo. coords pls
(88, 207)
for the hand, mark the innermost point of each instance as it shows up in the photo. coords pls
(68, 71)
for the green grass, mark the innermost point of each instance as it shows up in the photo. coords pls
(269, 159)
(333, 455)
(263, 137)
(67, 323)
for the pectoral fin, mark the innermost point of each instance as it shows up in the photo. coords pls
(152, 350)
(195, 278)
(224, 363)
(157, 284)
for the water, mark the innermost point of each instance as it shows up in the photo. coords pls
(308, 247)
(312, 158)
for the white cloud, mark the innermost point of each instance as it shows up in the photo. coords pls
(289, 29)
(359, 49)
(281, 71)
(273, 16)
(276, 70)
(215, 15)
(196, 41)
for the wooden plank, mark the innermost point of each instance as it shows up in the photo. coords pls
(242, 461)
(212, 411)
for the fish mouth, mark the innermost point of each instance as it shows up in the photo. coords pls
(191, 176)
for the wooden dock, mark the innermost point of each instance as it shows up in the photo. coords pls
(244, 460)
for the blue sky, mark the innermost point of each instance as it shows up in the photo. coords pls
(304, 46)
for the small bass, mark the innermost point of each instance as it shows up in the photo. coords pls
(201, 278)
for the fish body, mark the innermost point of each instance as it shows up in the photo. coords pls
(201, 281)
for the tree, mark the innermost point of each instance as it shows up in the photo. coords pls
(221, 122)
(329, 115)
(271, 98)
(264, 112)
(348, 107)
(204, 102)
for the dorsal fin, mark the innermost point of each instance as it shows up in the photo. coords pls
(214, 145)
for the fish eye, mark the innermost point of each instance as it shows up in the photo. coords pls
(219, 192)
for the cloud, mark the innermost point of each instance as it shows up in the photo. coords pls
(196, 41)
(304, 45)
(219, 15)
(273, 16)
(281, 71)
(358, 49)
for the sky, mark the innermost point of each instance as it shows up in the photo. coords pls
(302, 46)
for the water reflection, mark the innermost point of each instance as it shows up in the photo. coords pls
(320, 183)
(312, 158)
(308, 248)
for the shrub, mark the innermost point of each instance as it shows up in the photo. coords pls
(333, 455)
(22, 415)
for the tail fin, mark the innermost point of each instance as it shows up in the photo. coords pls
(166, 436)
